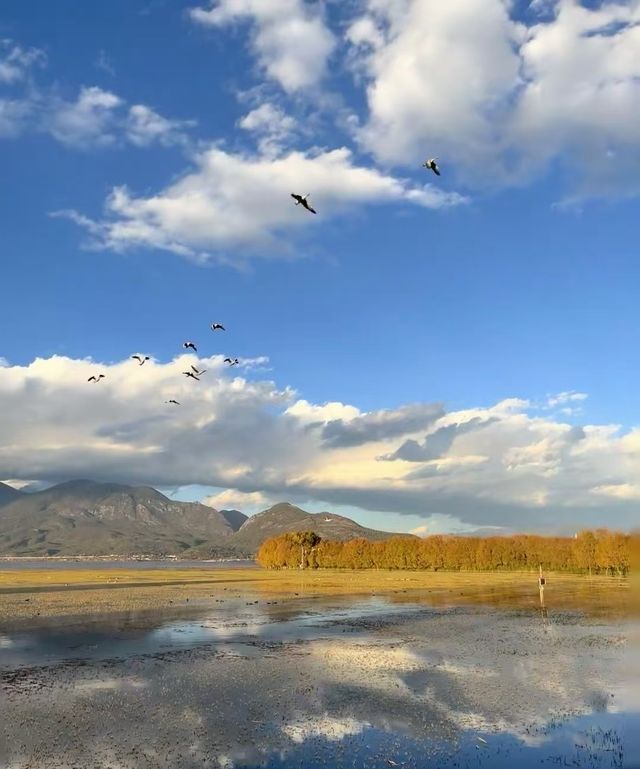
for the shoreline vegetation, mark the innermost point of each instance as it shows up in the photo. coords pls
(586, 572)
(593, 552)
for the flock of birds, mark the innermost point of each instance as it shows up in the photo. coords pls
(195, 373)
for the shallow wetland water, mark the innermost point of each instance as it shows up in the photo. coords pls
(467, 674)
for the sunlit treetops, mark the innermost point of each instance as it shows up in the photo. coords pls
(596, 552)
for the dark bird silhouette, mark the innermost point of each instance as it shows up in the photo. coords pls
(217, 327)
(96, 378)
(190, 346)
(191, 374)
(140, 359)
(197, 372)
(432, 166)
(301, 200)
(171, 400)
(232, 362)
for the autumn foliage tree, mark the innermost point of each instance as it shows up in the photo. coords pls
(600, 552)
(289, 551)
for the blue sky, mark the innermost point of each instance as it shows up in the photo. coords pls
(514, 275)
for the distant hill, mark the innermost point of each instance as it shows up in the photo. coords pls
(8, 494)
(88, 518)
(235, 518)
(284, 517)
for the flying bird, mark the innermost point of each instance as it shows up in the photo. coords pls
(197, 372)
(327, 520)
(96, 379)
(190, 346)
(301, 200)
(232, 362)
(217, 327)
(432, 166)
(140, 359)
(191, 374)
(171, 400)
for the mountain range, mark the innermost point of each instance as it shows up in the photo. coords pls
(84, 517)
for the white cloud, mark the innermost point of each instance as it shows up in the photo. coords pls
(560, 399)
(241, 201)
(15, 115)
(232, 499)
(144, 126)
(365, 33)
(512, 98)
(290, 39)
(99, 118)
(626, 491)
(581, 96)
(309, 413)
(16, 483)
(16, 62)
(272, 126)
(88, 121)
(95, 118)
(260, 443)
(438, 82)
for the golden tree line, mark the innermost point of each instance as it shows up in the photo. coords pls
(598, 552)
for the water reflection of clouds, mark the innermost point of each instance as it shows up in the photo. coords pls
(108, 684)
(329, 727)
(422, 677)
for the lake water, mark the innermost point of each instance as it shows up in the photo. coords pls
(16, 564)
(344, 681)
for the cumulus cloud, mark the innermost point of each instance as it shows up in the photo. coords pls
(438, 443)
(273, 127)
(243, 201)
(99, 118)
(418, 106)
(16, 61)
(289, 39)
(259, 443)
(581, 95)
(144, 126)
(516, 94)
(232, 499)
(90, 120)
(94, 118)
